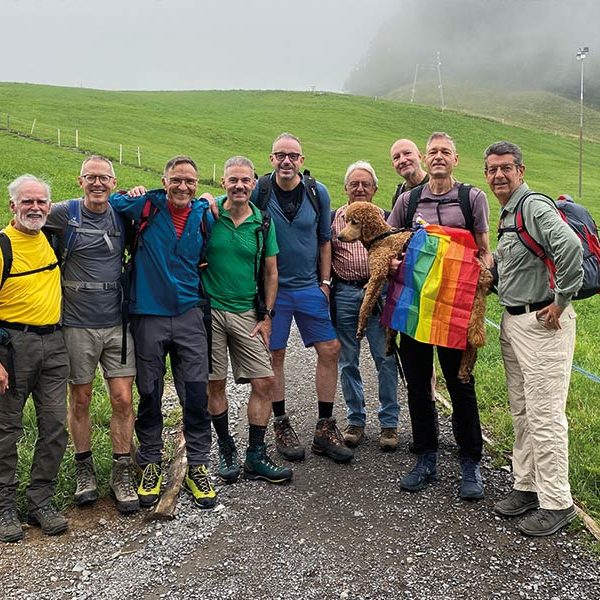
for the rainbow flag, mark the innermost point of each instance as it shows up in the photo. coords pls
(431, 296)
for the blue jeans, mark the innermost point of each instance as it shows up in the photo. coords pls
(348, 300)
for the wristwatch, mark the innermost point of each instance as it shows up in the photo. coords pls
(326, 282)
(270, 313)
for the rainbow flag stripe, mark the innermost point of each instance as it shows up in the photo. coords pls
(431, 296)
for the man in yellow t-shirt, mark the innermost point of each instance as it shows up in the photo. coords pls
(33, 359)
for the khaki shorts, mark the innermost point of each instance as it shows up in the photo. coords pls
(250, 358)
(89, 347)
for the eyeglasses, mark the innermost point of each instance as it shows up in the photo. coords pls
(354, 185)
(506, 169)
(189, 182)
(281, 156)
(89, 178)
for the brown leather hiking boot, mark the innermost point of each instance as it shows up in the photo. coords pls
(328, 441)
(388, 439)
(353, 435)
(286, 440)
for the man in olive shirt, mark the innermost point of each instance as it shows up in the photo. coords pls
(239, 325)
(537, 339)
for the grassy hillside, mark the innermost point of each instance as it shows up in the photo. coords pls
(337, 130)
(533, 109)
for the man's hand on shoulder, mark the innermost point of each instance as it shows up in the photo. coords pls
(212, 204)
(137, 191)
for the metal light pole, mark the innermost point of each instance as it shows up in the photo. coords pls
(581, 54)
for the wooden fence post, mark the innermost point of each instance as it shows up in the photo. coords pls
(58, 133)
(32, 127)
(120, 154)
(77, 138)
(139, 157)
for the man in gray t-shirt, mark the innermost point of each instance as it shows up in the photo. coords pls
(93, 329)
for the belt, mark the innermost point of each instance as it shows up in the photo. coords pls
(359, 283)
(39, 329)
(527, 308)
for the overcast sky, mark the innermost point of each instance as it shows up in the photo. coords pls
(187, 44)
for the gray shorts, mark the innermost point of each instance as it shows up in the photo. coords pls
(89, 347)
(250, 358)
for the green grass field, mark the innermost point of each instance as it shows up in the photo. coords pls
(336, 130)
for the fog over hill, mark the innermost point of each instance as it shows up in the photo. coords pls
(519, 44)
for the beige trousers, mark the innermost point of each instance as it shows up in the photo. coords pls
(538, 369)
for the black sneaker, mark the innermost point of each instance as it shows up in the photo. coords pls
(258, 465)
(329, 441)
(87, 489)
(471, 484)
(286, 440)
(229, 463)
(424, 472)
(48, 518)
(10, 526)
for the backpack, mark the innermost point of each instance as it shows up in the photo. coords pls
(265, 185)
(581, 222)
(259, 265)
(464, 191)
(7, 260)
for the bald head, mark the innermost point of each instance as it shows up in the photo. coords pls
(406, 160)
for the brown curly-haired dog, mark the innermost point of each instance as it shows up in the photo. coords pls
(364, 223)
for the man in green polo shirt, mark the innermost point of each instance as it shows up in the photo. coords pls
(233, 254)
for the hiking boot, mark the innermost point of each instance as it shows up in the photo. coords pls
(149, 488)
(388, 439)
(353, 435)
(197, 482)
(48, 518)
(424, 471)
(258, 465)
(10, 526)
(516, 503)
(329, 441)
(286, 440)
(122, 487)
(546, 522)
(471, 484)
(229, 463)
(87, 489)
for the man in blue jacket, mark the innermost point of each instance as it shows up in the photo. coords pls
(300, 209)
(167, 318)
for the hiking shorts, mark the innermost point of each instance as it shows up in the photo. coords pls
(250, 358)
(89, 347)
(310, 309)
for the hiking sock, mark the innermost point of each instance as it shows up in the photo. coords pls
(83, 455)
(221, 424)
(279, 408)
(325, 409)
(256, 435)
(117, 456)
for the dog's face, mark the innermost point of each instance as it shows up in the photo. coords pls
(362, 218)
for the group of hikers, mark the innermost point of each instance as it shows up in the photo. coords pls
(209, 282)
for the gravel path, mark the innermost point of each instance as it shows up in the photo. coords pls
(338, 531)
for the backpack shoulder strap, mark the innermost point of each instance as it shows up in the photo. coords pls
(413, 201)
(7, 256)
(399, 190)
(312, 190)
(333, 215)
(147, 215)
(464, 193)
(263, 187)
(73, 225)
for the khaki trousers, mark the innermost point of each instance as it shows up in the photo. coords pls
(538, 369)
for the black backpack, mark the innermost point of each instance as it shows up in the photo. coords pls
(464, 191)
(265, 185)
